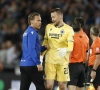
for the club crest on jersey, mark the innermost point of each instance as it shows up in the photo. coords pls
(62, 31)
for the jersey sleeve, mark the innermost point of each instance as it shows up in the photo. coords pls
(96, 50)
(70, 40)
(31, 46)
(87, 47)
(45, 41)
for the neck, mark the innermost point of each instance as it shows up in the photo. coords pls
(61, 23)
(81, 29)
(94, 37)
(76, 32)
(33, 27)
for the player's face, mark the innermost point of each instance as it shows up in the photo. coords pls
(37, 22)
(55, 18)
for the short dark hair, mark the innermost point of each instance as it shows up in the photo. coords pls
(76, 26)
(31, 16)
(95, 30)
(58, 10)
(80, 20)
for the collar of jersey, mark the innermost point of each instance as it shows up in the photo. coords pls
(33, 28)
(60, 26)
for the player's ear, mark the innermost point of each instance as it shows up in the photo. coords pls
(31, 21)
(61, 16)
(91, 33)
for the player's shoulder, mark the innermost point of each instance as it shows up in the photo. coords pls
(50, 25)
(67, 26)
(97, 40)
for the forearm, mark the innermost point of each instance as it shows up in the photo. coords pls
(70, 46)
(96, 64)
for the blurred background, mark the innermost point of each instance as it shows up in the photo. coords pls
(13, 22)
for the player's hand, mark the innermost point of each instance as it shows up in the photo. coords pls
(40, 67)
(62, 51)
(93, 74)
(47, 46)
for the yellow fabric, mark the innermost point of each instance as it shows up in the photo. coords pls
(57, 72)
(91, 87)
(58, 38)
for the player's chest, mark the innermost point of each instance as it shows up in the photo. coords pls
(56, 33)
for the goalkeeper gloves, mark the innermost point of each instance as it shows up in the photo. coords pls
(62, 51)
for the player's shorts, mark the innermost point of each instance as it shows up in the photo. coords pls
(96, 81)
(57, 72)
(77, 74)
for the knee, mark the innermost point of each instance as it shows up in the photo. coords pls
(49, 87)
(62, 86)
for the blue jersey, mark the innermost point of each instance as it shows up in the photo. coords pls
(31, 48)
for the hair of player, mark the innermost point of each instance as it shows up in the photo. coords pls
(80, 20)
(57, 10)
(76, 26)
(95, 30)
(32, 16)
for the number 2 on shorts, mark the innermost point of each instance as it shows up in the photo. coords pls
(65, 70)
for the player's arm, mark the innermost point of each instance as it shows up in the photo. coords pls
(96, 63)
(45, 42)
(31, 46)
(70, 40)
(97, 60)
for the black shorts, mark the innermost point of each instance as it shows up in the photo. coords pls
(77, 74)
(31, 74)
(96, 81)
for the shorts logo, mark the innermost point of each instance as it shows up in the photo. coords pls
(65, 70)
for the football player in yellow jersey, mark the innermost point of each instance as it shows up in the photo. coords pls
(59, 37)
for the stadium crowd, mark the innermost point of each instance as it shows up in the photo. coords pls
(13, 21)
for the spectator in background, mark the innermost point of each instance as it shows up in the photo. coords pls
(16, 11)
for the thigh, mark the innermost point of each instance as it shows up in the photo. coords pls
(62, 73)
(81, 78)
(50, 71)
(37, 78)
(25, 80)
(74, 73)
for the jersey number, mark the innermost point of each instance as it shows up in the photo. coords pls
(65, 70)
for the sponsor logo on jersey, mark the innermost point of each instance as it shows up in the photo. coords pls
(55, 35)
